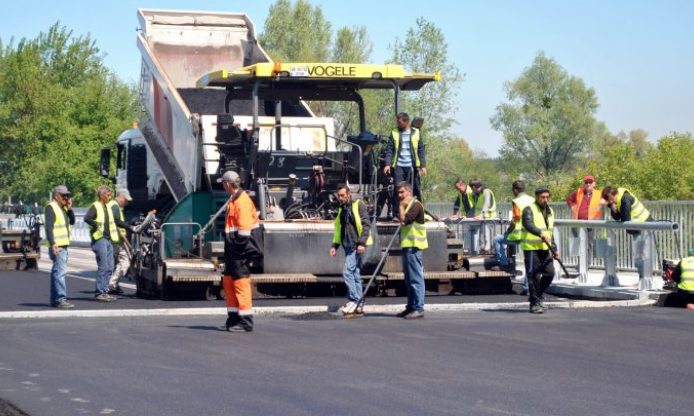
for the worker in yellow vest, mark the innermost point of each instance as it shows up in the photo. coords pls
(353, 233)
(58, 221)
(413, 241)
(463, 205)
(585, 204)
(624, 206)
(537, 243)
(103, 230)
(513, 232)
(405, 157)
(121, 252)
(684, 276)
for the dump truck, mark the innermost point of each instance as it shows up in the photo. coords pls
(213, 101)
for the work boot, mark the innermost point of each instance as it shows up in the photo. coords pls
(536, 308)
(232, 319)
(63, 304)
(404, 313)
(245, 324)
(115, 290)
(348, 308)
(414, 315)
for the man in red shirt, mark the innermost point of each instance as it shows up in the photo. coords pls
(585, 205)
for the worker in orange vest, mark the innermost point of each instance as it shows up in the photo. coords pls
(240, 248)
(585, 205)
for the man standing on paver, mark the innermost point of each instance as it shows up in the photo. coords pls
(413, 240)
(537, 243)
(59, 220)
(240, 248)
(353, 232)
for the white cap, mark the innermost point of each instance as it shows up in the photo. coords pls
(230, 176)
(124, 193)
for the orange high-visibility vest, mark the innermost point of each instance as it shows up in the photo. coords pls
(594, 207)
(241, 215)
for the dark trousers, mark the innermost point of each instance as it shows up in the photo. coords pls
(539, 268)
(410, 175)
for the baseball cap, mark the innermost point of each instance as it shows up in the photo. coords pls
(588, 178)
(61, 189)
(230, 176)
(124, 193)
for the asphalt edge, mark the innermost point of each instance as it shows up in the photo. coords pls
(299, 310)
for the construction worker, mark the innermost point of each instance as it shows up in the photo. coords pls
(353, 232)
(405, 156)
(240, 248)
(484, 207)
(625, 206)
(120, 249)
(585, 205)
(684, 276)
(103, 230)
(513, 233)
(58, 222)
(539, 250)
(463, 205)
(413, 240)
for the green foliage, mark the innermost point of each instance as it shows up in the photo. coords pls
(549, 121)
(58, 106)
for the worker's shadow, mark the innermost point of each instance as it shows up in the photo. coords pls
(196, 327)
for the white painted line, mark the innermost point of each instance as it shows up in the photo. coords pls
(298, 310)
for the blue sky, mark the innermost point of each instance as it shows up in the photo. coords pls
(637, 55)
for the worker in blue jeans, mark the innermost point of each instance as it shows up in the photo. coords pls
(59, 219)
(102, 227)
(413, 241)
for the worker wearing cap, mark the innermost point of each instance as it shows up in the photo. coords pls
(353, 233)
(240, 248)
(625, 206)
(405, 157)
(103, 231)
(684, 276)
(58, 222)
(585, 205)
(120, 249)
(539, 250)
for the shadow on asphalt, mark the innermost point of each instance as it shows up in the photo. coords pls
(196, 327)
(505, 310)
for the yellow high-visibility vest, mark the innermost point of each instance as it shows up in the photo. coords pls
(639, 213)
(415, 234)
(120, 235)
(61, 228)
(414, 144)
(522, 201)
(98, 232)
(357, 221)
(687, 274)
(531, 242)
(480, 204)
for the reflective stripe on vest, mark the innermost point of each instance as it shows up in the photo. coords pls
(480, 204)
(99, 231)
(120, 234)
(357, 221)
(61, 228)
(415, 234)
(639, 213)
(686, 274)
(414, 144)
(531, 242)
(594, 207)
(522, 201)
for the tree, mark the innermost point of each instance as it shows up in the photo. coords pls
(58, 106)
(548, 122)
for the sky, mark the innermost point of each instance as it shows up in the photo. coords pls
(638, 56)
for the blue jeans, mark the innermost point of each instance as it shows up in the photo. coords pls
(500, 244)
(413, 268)
(58, 272)
(103, 249)
(351, 274)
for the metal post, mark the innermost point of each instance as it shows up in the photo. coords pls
(648, 281)
(583, 255)
(610, 256)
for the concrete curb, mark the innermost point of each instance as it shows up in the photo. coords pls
(300, 310)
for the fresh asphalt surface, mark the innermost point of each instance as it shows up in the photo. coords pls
(611, 361)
